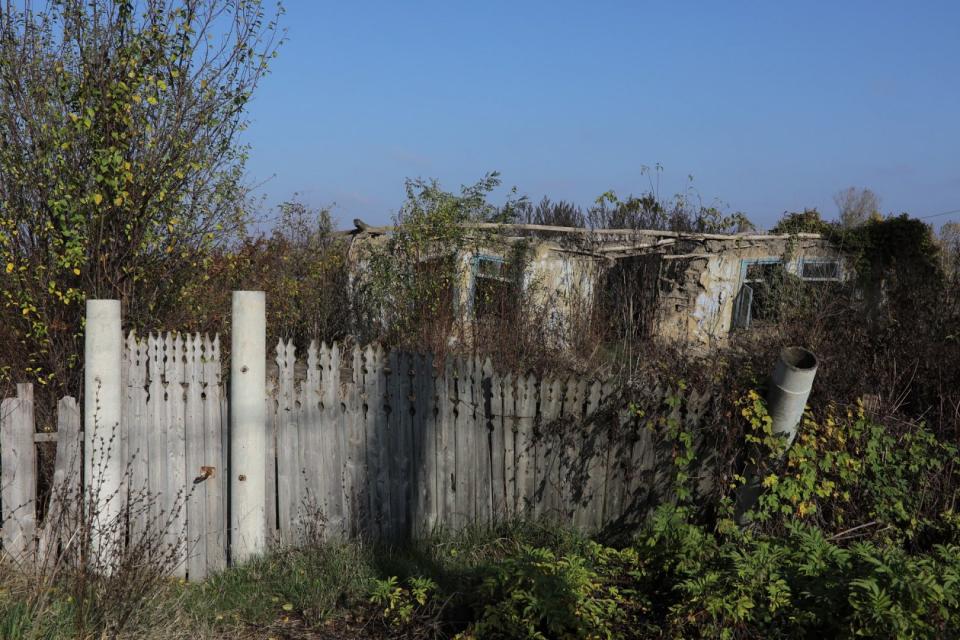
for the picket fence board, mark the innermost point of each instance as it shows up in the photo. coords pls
(60, 521)
(18, 468)
(361, 442)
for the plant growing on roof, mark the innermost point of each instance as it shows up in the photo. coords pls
(406, 293)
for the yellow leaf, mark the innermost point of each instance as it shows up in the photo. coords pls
(97, 198)
(76, 271)
(118, 201)
(288, 607)
(9, 267)
(152, 100)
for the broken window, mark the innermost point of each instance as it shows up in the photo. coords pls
(765, 279)
(494, 288)
(760, 294)
(627, 302)
(820, 269)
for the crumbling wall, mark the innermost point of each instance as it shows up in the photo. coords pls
(698, 289)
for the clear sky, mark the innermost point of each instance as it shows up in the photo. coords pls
(770, 106)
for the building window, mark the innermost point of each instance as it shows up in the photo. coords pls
(758, 298)
(820, 270)
(493, 292)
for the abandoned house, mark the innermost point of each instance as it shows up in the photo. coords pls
(694, 287)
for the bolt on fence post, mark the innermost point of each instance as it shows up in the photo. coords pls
(790, 387)
(247, 467)
(103, 457)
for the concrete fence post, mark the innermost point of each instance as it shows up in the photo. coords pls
(103, 462)
(790, 387)
(248, 443)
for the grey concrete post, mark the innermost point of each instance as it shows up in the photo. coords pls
(790, 387)
(103, 462)
(248, 467)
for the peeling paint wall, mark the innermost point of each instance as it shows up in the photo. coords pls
(699, 277)
(698, 291)
(556, 280)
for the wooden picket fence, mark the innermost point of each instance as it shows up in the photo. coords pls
(361, 443)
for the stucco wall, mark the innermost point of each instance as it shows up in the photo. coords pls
(698, 281)
(697, 290)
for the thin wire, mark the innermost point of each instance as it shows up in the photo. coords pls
(937, 215)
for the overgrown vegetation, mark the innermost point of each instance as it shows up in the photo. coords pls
(120, 176)
(856, 535)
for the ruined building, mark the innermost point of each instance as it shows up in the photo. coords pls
(693, 287)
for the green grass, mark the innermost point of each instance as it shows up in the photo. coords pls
(306, 589)
(313, 583)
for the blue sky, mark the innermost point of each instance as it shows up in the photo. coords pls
(770, 106)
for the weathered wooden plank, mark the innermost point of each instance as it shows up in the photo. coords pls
(341, 422)
(311, 505)
(548, 449)
(157, 437)
(509, 430)
(422, 467)
(18, 471)
(404, 440)
(365, 523)
(376, 385)
(137, 423)
(288, 444)
(447, 463)
(619, 458)
(330, 433)
(176, 450)
(525, 447)
(464, 510)
(482, 420)
(572, 478)
(592, 518)
(428, 393)
(63, 515)
(270, 460)
(214, 485)
(354, 479)
(493, 409)
(196, 512)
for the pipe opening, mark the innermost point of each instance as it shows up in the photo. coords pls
(799, 358)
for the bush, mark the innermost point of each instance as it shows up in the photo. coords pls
(536, 594)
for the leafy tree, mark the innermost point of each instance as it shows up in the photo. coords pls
(119, 165)
(301, 262)
(405, 294)
(806, 221)
(856, 206)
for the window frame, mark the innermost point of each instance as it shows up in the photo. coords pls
(737, 320)
(475, 261)
(834, 261)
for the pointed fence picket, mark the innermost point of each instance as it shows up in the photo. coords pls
(362, 442)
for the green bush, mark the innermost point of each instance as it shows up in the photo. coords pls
(538, 594)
